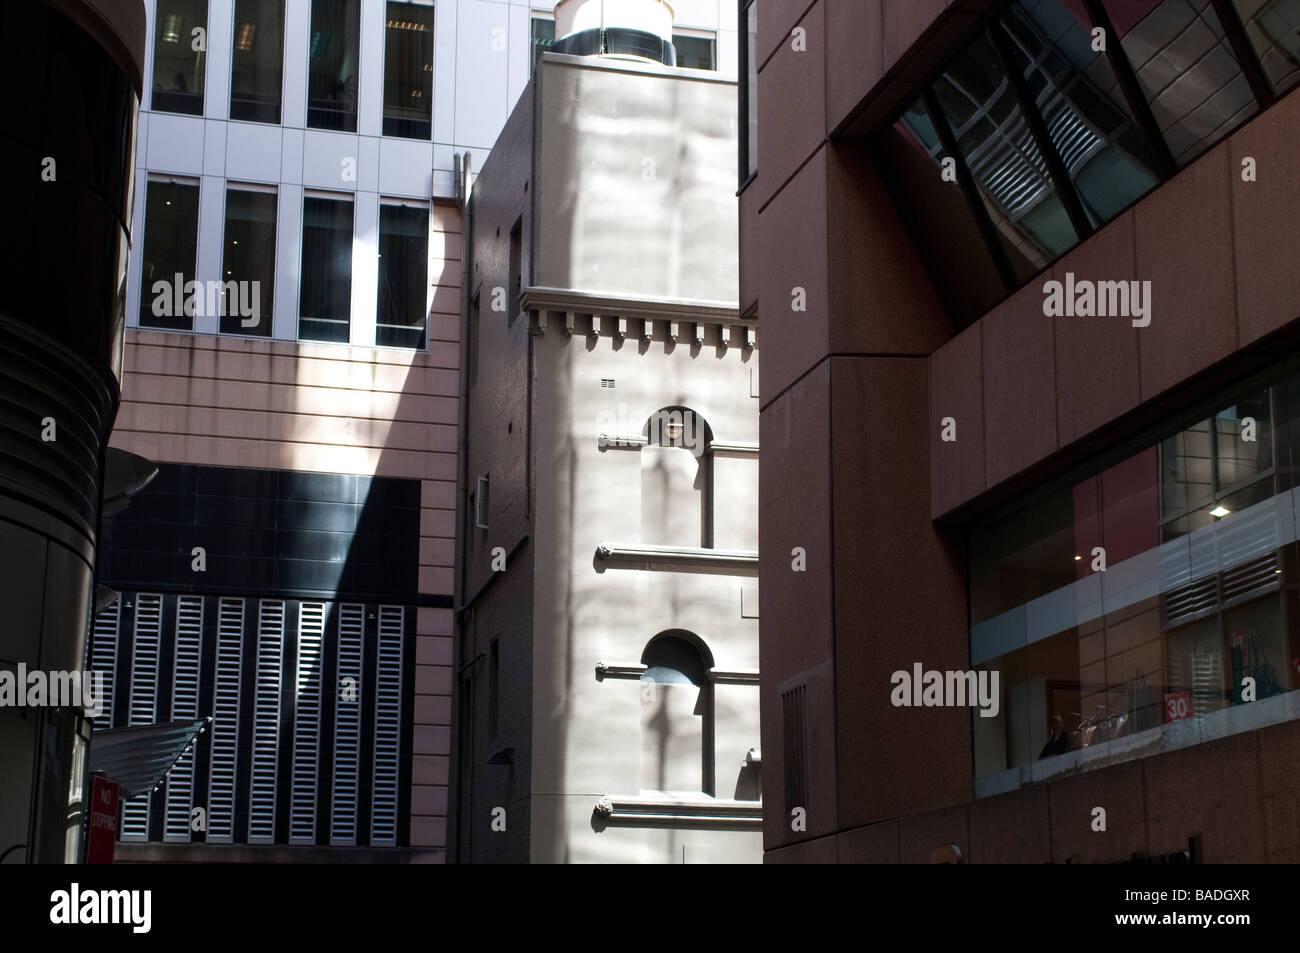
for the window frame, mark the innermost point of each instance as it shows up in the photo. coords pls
(744, 68)
(327, 195)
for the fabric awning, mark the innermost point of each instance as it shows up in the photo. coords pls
(137, 758)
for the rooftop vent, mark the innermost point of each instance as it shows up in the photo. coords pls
(632, 29)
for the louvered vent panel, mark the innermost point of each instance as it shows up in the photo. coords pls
(347, 727)
(388, 727)
(266, 722)
(225, 722)
(103, 659)
(143, 701)
(1253, 578)
(1182, 605)
(306, 728)
(794, 731)
(185, 705)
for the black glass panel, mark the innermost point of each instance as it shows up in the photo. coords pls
(171, 227)
(408, 71)
(257, 62)
(179, 56)
(326, 296)
(695, 52)
(332, 57)
(248, 263)
(403, 275)
(1274, 30)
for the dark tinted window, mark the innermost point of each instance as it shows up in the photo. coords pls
(1078, 95)
(171, 225)
(179, 55)
(403, 275)
(257, 60)
(248, 263)
(408, 71)
(332, 57)
(1274, 30)
(998, 147)
(1193, 82)
(326, 296)
(543, 35)
(695, 52)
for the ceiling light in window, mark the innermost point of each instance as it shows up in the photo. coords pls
(244, 39)
(407, 25)
(1220, 511)
(172, 28)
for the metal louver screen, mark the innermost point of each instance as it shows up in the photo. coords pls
(145, 650)
(388, 727)
(225, 722)
(307, 723)
(185, 704)
(103, 658)
(794, 720)
(266, 722)
(347, 726)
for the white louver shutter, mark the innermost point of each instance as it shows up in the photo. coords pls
(225, 722)
(143, 701)
(266, 722)
(388, 727)
(306, 727)
(185, 705)
(347, 727)
(103, 658)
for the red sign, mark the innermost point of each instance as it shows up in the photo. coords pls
(1178, 705)
(103, 821)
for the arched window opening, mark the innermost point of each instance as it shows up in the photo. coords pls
(676, 478)
(676, 715)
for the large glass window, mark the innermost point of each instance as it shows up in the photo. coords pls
(171, 226)
(1192, 81)
(408, 71)
(248, 262)
(403, 275)
(332, 57)
(257, 61)
(180, 46)
(1146, 606)
(695, 52)
(1052, 132)
(326, 296)
(998, 147)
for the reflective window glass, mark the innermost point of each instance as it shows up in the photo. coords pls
(408, 71)
(179, 55)
(332, 57)
(403, 275)
(248, 262)
(1274, 30)
(171, 227)
(1187, 70)
(257, 62)
(695, 52)
(326, 296)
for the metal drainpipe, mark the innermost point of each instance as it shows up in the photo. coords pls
(462, 440)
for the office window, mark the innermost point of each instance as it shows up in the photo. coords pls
(257, 60)
(408, 71)
(748, 91)
(179, 56)
(1192, 80)
(1273, 27)
(326, 296)
(542, 37)
(403, 275)
(696, 52)
(171, 228)
(332, 57)
(248, 262)
(1200, 554)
